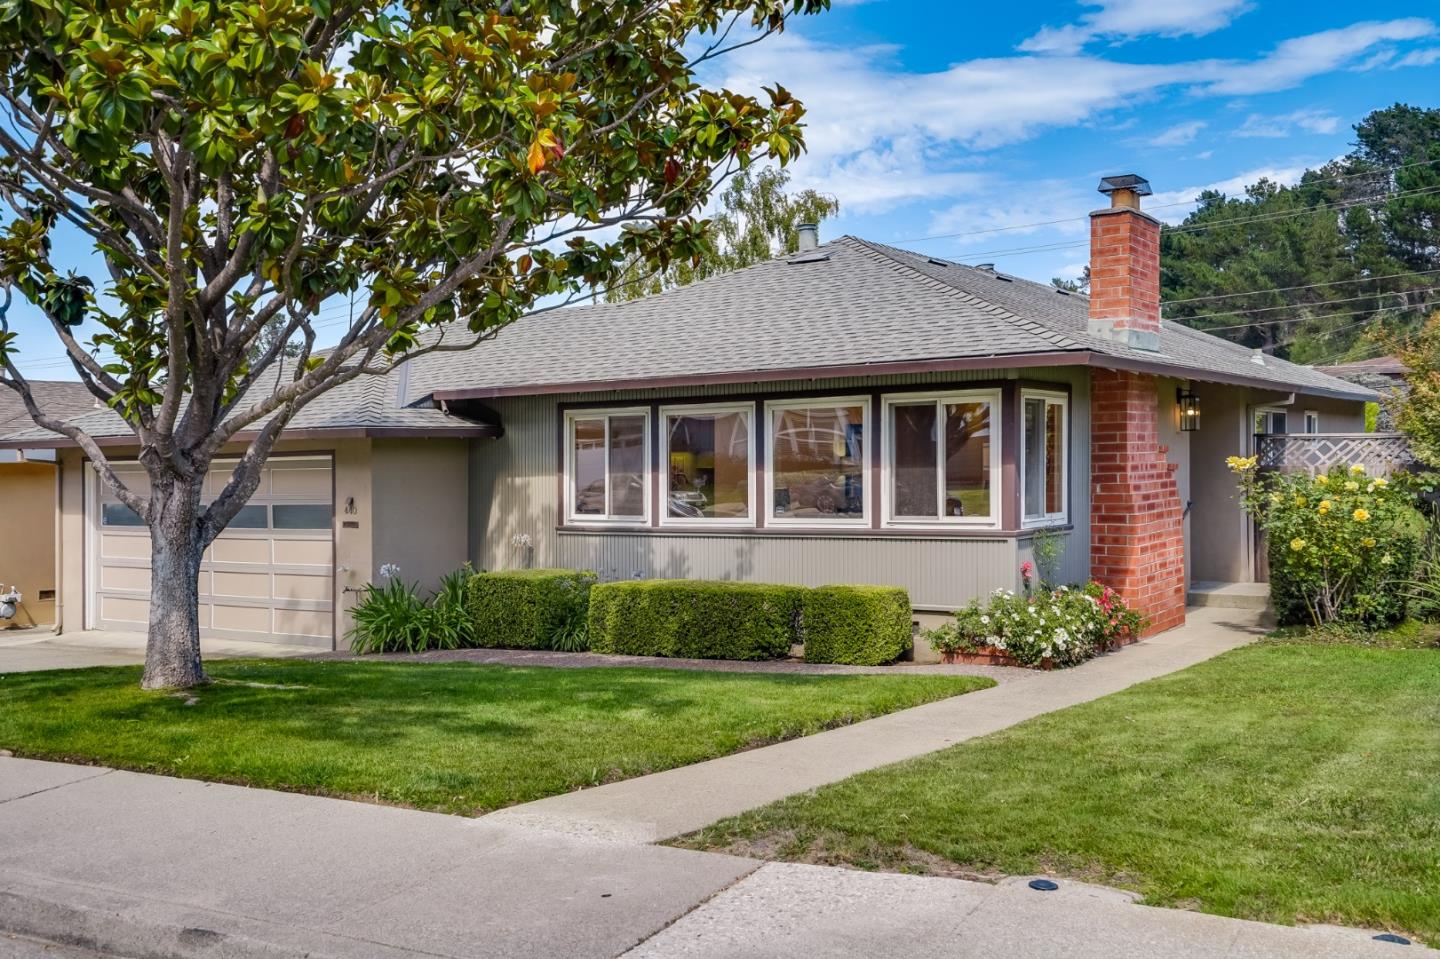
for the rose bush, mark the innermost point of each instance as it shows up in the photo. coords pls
(1342, 544)
(1064, 625)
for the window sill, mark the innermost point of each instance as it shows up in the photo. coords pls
(809, 532)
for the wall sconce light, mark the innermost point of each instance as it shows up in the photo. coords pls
(1189, 406)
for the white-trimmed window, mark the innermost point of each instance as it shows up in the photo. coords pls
(607, 466)
(708, 465)
(1044, 456)
(815, 462)
(1312, 421)
(942, 459)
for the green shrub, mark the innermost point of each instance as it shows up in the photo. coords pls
(451, 624)
(392, 619)
(694, 619)
(1342, 545)
(856, 625)
(528, 608)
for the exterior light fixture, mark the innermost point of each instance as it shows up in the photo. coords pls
(1189, 406)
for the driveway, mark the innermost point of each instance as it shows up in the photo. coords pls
(29, 650)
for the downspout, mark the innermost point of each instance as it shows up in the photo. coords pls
(59, 546)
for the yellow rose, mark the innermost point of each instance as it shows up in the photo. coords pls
(1381, 482)
(1325, 506)
(1369, 542)
(1357, 468)
(1322, 479)
(1361, 515)
(1351, 486)
(1301, 501)
(1297, 544)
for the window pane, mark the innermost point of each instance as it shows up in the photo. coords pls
(118, 514)
(1035, 450)
(627, 466)
(302, 515)
(588, 466)
(818, 458)
(1054, 458)
(709, 461)
(916, 451)
(967, 459)
(250, 517)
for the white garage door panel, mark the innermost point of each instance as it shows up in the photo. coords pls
(271, 584)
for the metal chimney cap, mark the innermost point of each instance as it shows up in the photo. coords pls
(1128, 181)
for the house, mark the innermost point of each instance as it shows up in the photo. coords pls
(852, 413)
(28, 494)
(1383, 374)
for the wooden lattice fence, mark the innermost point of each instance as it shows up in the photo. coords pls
(1381, 453)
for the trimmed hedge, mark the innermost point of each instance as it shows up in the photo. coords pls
(527, 608)
(694, 619)
(856, 625)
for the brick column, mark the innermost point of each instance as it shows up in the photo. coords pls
(1137, 533)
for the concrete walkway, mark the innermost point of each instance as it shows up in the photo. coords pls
(672, 803)
(29, 650)
(145, 867)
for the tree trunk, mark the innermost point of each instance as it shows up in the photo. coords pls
(172, 652)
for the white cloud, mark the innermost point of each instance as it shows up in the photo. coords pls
(1177, 136)
(1305, 121)
(1300, 58)
(1120, 20)
(879, 135)
(1419, 58)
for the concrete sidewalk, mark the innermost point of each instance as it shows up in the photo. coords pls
(678, 801)
(30, 650)
(149, 867)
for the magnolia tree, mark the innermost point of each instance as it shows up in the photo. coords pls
(237, 164)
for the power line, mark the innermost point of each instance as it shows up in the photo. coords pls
(1301, 306)
(1162, 206)
(1307, 286)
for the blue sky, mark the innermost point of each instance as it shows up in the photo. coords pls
(930, 118)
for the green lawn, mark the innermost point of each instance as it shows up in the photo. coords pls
(1279, 782)
(455, 737)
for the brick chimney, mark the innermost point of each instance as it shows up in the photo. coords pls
(1125, 266)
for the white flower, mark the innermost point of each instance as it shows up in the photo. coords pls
(985, 619)
(389, 570)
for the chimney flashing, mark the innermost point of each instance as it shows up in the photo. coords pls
(1125, 267)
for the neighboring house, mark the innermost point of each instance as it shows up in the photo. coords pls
(28, 528)
(1383, 374)
(851, 413)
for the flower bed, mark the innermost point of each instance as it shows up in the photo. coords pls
(1040, 628)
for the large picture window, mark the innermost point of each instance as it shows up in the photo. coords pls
(943, 458)
(817, 462)
(607, 454)
(1044, 466)
(708, 458)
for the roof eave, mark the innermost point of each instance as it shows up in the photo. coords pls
(477, 431)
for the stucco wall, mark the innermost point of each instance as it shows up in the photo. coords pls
(27, 538)
(515, 489)
(421, 497)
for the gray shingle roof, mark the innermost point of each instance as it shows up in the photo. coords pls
(852, 303)
(60, 398)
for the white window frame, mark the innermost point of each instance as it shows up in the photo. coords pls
(746, 410)
(590, 519)
(807, 403)
(1312, 416)
(887, 471)
(1268, 413)
(1061, 400)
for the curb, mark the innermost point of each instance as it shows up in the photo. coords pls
(102, 920)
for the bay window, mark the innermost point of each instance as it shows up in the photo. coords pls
(1043, 456)
(708, 463)
(607, 454)
(816, 465)
(943, 458)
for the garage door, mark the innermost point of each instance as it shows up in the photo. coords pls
(269, 577)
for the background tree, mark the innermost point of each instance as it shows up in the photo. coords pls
(1080, 284)
(1305, 271)
(236, 164)
(756, 220)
